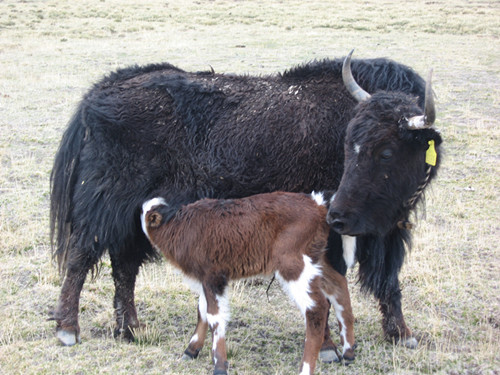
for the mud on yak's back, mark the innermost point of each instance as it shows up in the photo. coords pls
(144, 129)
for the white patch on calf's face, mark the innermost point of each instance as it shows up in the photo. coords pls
(349, 250)
(146, 207)
(357, 148)
(299, 289)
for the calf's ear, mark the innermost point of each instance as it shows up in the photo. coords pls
(153, 219)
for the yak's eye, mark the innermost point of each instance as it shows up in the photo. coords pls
(386, 154)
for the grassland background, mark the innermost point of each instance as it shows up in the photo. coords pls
(52, 51)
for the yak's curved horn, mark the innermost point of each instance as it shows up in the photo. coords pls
(426, 120)
(354, 89)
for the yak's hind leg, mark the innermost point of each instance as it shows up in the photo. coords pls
(125, 269)
(66, 313)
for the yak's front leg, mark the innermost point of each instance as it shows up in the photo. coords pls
(200, 333)
(393, 323)
(217, 317)
(386, 289)
(125, 270)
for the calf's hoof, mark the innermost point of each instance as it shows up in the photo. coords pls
(68, 337)
(348, 356)
(220, 372)
(329, 355)
(188, 355)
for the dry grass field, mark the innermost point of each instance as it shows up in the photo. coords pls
(52, 51)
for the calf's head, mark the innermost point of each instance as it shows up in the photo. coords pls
(391, 153)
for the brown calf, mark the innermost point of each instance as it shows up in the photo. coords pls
(285, 234)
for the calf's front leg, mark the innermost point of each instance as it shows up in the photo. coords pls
(217, 317)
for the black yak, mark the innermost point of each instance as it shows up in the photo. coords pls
(144, 129)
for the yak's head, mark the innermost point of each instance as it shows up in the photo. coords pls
(391, 154)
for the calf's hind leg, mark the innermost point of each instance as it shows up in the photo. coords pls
(200, 333)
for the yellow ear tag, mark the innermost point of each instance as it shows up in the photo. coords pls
(431, 155)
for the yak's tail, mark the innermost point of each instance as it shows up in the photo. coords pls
(62, 183)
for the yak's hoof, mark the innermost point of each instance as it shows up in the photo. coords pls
(220, 372)
(125, 334)
(329, 355)
(68, 338)
(408, 342)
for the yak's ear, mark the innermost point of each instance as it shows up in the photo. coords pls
(153, 219)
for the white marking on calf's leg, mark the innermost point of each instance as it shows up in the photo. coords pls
(194, 338)
(306, 369)
(338, 312)
(299, 289)
(197, 287)
(219, 321)
(349, 252)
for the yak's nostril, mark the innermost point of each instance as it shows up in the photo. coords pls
(338, 225)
